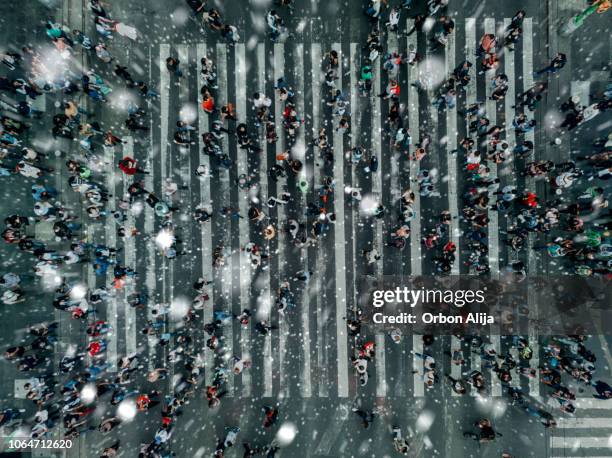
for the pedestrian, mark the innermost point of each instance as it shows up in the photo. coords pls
(556, 64)
(172, 65)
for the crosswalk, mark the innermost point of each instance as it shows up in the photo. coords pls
(308, 355)
(321, 360)
(588, 434)
(231, 285)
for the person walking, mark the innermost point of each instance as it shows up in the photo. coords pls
(556, 64)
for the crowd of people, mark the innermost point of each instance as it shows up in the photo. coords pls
(578, 228)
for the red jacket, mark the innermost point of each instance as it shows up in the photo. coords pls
(94, 348)
(128, 165)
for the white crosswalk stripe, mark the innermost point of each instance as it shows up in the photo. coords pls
(493, 227)
(581, 89)
(244, 268)
(316, 55)
(264, 304)
(415, 224)
(491, 112)
(206, 230)
(510, 138)
(470, 99)
(164, 52)
(527, 77)
(453, 202)
(130, 261)
(149, 227)
(381, 383)
(299, 152)
(340, 254)
(592, 403)
(111, 242)
(224, 277)
(279, 72)
(451, 146)
(355, 105)
(579, 423)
